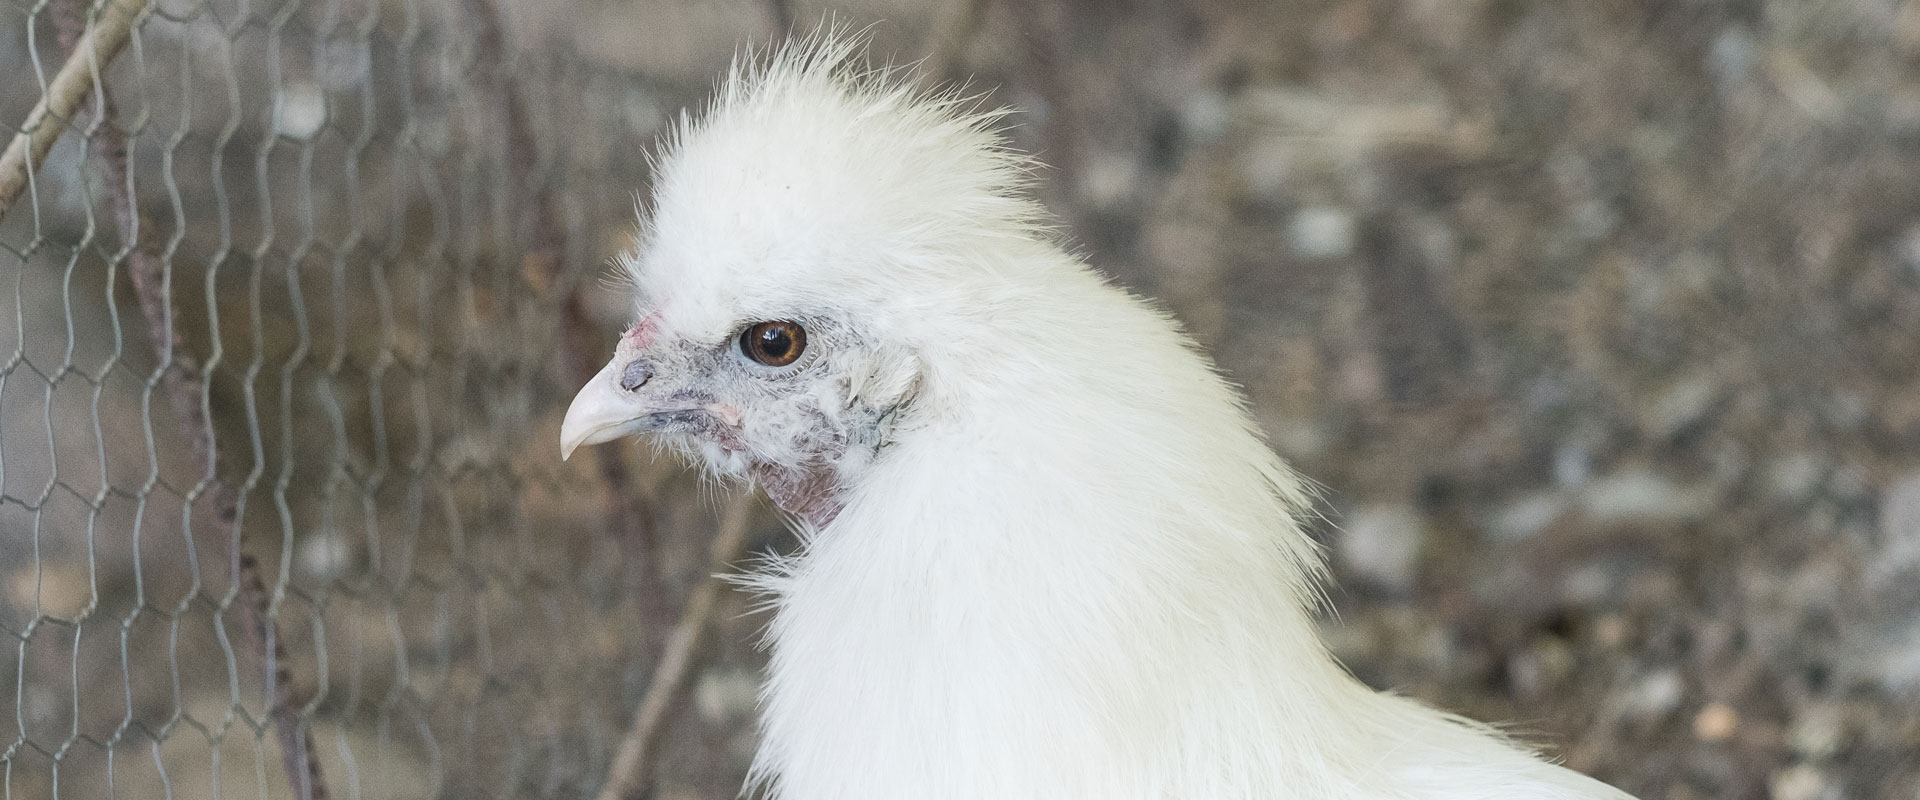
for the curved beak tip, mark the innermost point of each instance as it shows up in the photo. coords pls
(599, 413)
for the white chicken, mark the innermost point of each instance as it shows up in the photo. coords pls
(1046, 552)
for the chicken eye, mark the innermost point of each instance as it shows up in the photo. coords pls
(775, 344)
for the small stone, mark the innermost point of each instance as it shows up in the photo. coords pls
(1903, 111)
(1715, 723)
(1641, 495)
(1729, 463)
(1382, 544)
(1320, 232)
(1526, 674)
(1657, 693)
(1816, 731)
(1849, 483)
(1572, 463)
(1684, 403)
(1798, 782)
(1899, 530)
(1732, 54)
(1554, 657)
(1546, 394)
(1900, 509)
(1594, 219)
(1268, 167)
(62, 589)
(1611, 631)
(299, 111)
(1893, 658)
(642, 112)
(1206, 115)
(1908, 247)
(1795, 478)
(1297, 438)
(1108, 180)
(725, 695)
(1526, 517)
(325, 556)
(1847, 410)
(1588, 585)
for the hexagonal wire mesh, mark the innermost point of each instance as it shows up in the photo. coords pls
(283, 315)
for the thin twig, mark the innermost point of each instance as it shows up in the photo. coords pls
(632, 769)
(184, 385)
(628, 513)
(96, 49)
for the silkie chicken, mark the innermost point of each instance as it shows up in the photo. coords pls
(1045, 551)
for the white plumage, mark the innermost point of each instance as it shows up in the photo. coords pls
(1047, 553)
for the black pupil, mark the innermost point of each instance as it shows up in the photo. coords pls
(775, 342)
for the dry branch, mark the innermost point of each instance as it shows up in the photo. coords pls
(632, 769)
(628, 513)
(86, 59)
(87, 49)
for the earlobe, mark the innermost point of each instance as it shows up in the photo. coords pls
(892, 384)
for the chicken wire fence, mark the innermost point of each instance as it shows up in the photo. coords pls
(292, 309)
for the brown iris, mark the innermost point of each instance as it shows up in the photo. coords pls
(775, 344)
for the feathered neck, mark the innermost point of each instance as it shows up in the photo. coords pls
(1076, 536)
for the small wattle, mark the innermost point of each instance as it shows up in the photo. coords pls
(811, 492)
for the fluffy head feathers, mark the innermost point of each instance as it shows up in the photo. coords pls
(812, 180)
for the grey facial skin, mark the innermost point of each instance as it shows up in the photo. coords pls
(791, 429)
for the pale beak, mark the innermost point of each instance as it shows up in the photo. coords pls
(601, 412)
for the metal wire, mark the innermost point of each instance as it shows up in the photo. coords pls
(269, 522)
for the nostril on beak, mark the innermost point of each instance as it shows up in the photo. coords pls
(635, 375)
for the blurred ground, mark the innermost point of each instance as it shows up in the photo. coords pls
(1598, 322)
